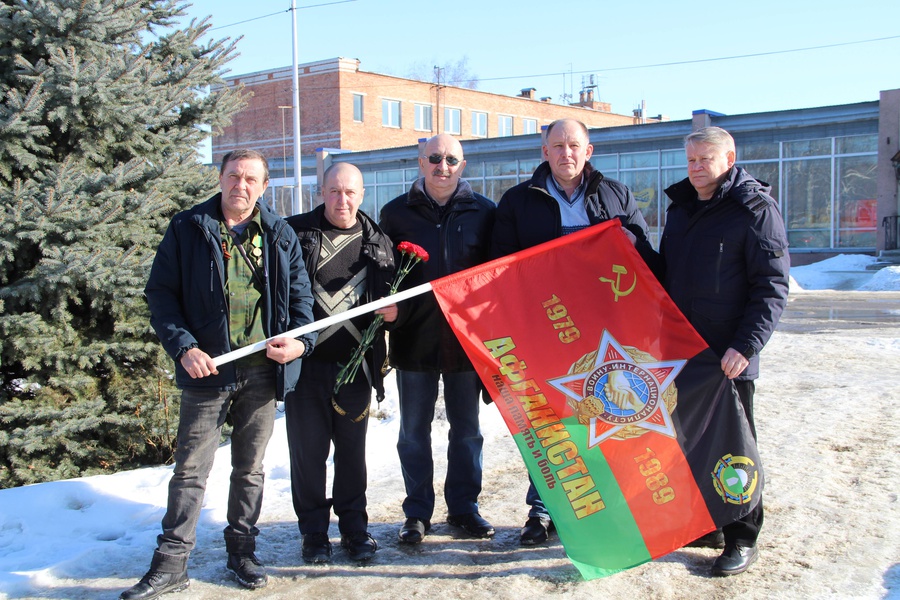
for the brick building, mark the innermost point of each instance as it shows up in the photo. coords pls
(342, 107)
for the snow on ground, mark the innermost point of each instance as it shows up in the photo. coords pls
(845, 272)
(832, 527)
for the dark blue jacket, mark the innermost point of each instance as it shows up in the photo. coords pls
(528, 215)
(378, 249)
(186, 294)
(726, 266)
(421, 339)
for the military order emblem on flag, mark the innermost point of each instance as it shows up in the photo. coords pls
(634, 437)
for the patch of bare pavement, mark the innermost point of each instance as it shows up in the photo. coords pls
(829, 310)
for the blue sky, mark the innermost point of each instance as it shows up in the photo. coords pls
(511, 45)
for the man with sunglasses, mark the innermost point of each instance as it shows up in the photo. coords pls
(564, 195)
(442, 214)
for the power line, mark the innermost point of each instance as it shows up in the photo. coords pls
(249, 20)
(279, 13)
(695, 61)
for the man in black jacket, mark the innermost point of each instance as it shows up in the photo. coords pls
(726, 267)
(565, 194)
(350, 261)
(228, 273)
(453, 224)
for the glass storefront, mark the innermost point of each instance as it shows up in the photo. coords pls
(827, 197)
(493, 178)
(280, 195)
(825, 187)
(384, 186)
(647, 175)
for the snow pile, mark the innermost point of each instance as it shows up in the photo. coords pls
(845, 272)
(885, 280)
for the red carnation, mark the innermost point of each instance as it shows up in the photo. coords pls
(413, 250)
(410, 255)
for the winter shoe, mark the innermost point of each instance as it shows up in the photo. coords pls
(168, 573)
(536, 531)
(316, 548)
(156, 583)
(360, 546)
(413, 530)
(473, 524)
(735, 560)
(248, 571)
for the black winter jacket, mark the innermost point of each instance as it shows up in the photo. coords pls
(421, 339)
(378, 250)
(528, 215)
(186, 293)
(726, 266)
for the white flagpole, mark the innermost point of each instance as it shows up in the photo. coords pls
(323, 323)
(297, 196)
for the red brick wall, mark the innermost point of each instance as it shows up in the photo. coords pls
(326, 111)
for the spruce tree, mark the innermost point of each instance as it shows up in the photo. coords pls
(104, 104)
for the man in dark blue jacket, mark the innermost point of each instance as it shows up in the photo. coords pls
(726, 264)
(453, 224)
(565, 194)
(228, 273)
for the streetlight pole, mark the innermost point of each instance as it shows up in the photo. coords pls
(284, 161)
(297, 195)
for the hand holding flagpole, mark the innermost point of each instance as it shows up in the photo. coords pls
(323, 323)
(411, 255)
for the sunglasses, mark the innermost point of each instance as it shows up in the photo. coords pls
(436, 159)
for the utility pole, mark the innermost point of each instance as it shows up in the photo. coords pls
(297, 195)
(567, 97)
(437, 76)
(284, 153)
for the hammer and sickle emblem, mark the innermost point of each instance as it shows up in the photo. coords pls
(619, 270)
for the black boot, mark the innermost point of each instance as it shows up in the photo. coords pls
(360, 546)
(735, 559)
(248, 570)
(536, 531)
(167, 573)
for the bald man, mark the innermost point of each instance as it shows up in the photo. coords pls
(350, 262)
(442, 214)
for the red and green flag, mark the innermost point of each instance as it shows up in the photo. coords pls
(633, 436)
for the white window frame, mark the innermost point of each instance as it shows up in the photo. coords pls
(362, 106)
(448, 121)
(420, 113)
(387, 114)
(500, 128)
(479, 124)
(525, 126)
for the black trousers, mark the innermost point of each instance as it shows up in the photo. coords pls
(745, 530)
(312, 426)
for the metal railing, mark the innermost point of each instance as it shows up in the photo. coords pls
(891, 232)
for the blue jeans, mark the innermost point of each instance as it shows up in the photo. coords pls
(418, 395)
(203, 411)
(533, 499)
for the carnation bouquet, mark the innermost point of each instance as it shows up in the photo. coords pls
(410, 255)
